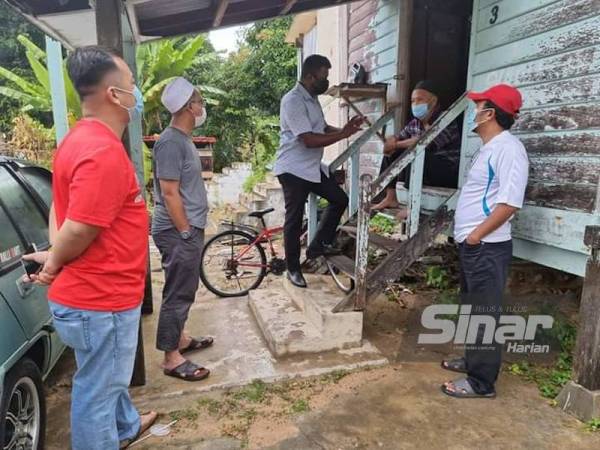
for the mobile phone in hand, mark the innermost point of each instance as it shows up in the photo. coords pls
(31, 267)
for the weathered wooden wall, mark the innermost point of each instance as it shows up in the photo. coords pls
(550, 50)
(373, 42)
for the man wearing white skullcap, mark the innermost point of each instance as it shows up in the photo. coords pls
(180, 210)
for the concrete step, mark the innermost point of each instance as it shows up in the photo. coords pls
(296, 320)
(265, 189)
(286, 328)
(317, 301)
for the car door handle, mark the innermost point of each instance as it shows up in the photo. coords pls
(25, 289)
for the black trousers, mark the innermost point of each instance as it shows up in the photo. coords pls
(295, 192)
(483, 275)
(181, 263)
(437, 171)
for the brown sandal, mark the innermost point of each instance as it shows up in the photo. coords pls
(198, 344)
(187, 371)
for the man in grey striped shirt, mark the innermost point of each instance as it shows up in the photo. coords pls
(304, 134)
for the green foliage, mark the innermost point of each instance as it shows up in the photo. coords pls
(31, 141)
(382, 224)
(437, 277)
(159, 62)
(34, 94)
(550, 380)
(13, 58)
(254, 78)
(255, 392)
(300, 406)
(593, 425)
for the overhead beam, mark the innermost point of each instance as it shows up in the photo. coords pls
(220, 13)
(289, 4)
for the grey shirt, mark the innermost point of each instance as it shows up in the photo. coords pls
(300, 113)
(175, 158)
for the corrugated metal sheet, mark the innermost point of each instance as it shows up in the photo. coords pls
(550, 50)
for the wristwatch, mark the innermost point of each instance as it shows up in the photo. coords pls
(185, 235)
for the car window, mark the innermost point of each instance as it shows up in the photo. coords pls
(23, 210)
(10, 243)
(41, 181)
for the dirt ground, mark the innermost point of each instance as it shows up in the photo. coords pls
(399, 406)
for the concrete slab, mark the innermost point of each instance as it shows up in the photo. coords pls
(579, 401)
(318, 301)
(239, 354)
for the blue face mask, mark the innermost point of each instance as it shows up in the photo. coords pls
(420, 110)
(471, 118)
(135, 112)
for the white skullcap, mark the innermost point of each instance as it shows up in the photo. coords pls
(176, 94)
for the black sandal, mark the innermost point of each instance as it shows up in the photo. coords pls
(455, 365)
(187, 371)
(198, 344)
(463, 389)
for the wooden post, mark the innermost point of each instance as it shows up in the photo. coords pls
(415, 190)
(57, 88)
(362, 242)
(111, 25)
(586, 364)
(354, 183)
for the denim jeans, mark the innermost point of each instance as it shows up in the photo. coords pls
(104, 343)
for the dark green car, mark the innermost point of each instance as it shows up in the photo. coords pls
(29, 346)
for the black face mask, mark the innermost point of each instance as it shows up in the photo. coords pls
(321, 86)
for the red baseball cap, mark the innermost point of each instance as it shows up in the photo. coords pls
(506, 97)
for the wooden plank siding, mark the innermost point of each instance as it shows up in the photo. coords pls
(373, 42)
(550, 50)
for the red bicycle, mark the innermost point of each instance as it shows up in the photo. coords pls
(234, 261)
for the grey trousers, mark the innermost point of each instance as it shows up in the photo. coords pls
(181, 263)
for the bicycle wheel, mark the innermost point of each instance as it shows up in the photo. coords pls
(342, 281)
(232, 265)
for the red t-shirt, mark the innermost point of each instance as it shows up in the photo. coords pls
(94, 182)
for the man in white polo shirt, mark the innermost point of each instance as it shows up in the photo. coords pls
(493, 192)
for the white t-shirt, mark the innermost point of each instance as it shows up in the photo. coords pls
(498, 175)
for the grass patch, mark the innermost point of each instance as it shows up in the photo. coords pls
(299, 406)
(187, 414)
(550, 380)
(593, 425)
(254, 392)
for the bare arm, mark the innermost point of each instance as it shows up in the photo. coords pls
(393, 144)
(52, 229)
(502, 212)
(332, 134)
(69, 243)
(174, 204)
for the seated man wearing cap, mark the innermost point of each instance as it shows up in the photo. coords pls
(492, 194)
(442, 155)
(178, 224)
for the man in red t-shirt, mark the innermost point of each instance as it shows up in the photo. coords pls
(96, 267)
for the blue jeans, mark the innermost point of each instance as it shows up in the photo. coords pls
(104, 343)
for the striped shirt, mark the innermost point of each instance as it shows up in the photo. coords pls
(300, 113)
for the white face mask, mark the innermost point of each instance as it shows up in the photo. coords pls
(199, 120)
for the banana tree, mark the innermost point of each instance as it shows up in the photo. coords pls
(160, 62)
(34, 95)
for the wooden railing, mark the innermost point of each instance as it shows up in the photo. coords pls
(363, 188)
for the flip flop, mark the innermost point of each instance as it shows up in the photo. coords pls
(143, 428)
(455, 365)
(198, 344)
(187, 371)
(465, 390)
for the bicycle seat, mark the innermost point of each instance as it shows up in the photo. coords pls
(260, 213)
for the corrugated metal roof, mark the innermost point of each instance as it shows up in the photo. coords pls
(151, 19)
